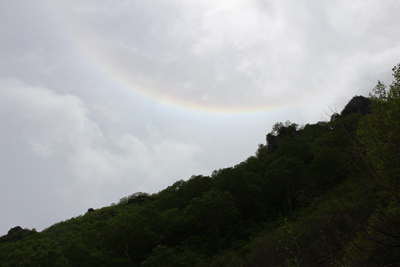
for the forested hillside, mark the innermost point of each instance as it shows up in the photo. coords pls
(323, 194)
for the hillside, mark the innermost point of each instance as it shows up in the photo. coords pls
(323, 194)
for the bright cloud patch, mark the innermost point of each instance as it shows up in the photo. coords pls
(276, 52)
(56, 126)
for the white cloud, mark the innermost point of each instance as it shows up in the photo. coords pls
(280, 52)
(51, 122)
(59, 127)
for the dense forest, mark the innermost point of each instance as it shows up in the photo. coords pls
(323, 194)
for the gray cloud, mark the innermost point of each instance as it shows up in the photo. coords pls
(61, 137)
(198, 52)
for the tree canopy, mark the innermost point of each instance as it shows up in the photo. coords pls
(323, 194)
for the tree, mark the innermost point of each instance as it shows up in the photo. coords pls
(285, 180)
(32, 252)
(379, 134)
(214, 209)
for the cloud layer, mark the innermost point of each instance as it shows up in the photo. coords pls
(198, 53)
(73, 157)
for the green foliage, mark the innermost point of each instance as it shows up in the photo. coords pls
(138, 197)
(214, 210)
(323, 194)
(33, 252)
(280, 128)
(380, 134)
(377, 244)
(285, 180)
(170, 257)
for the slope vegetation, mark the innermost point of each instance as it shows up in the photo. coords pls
(324, 194)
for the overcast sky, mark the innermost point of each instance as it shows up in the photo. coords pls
(102, 99)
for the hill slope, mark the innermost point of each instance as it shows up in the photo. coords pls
(324, 194)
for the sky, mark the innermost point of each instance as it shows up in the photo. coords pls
(102, 99)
